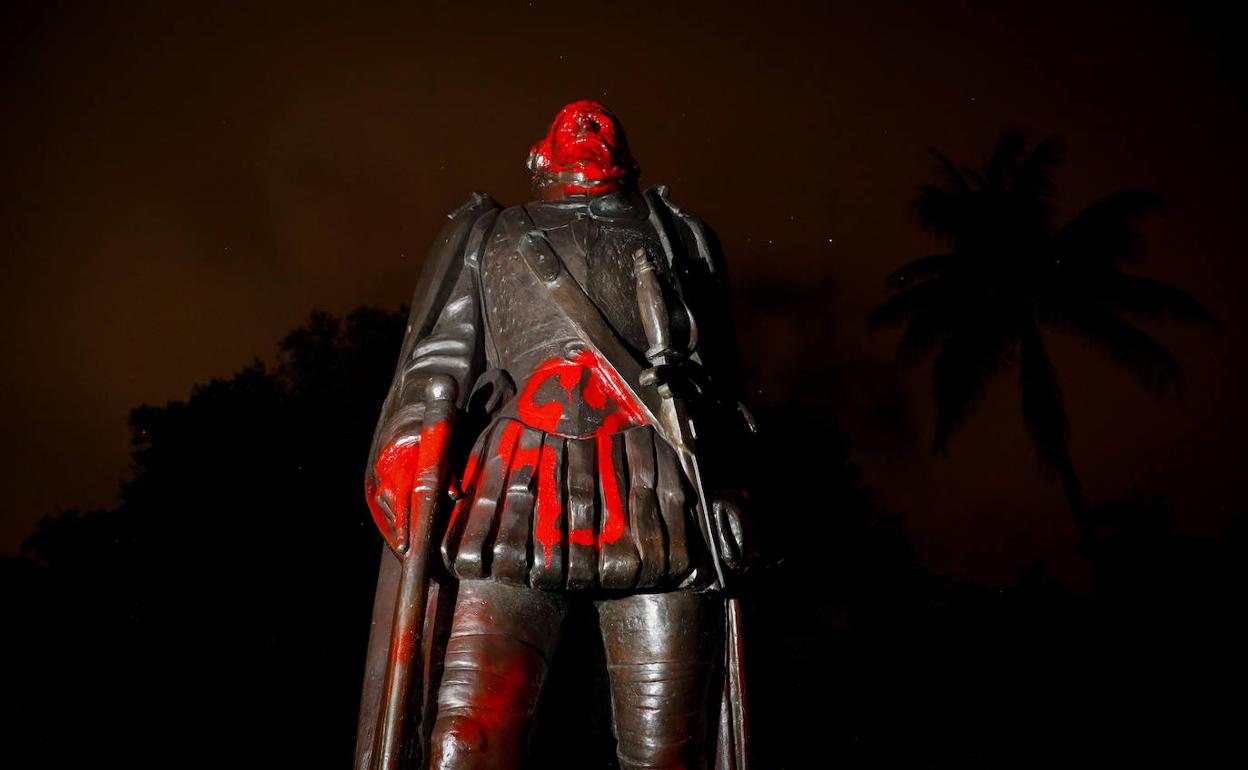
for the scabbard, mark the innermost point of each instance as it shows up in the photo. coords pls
(736, 684)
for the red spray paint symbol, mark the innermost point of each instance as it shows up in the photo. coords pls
(602, 389)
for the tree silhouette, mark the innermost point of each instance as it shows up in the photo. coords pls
(224, 602)
(1010, 275)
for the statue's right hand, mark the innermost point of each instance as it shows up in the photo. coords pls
(389, 486)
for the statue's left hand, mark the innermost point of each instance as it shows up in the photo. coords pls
(731, 528)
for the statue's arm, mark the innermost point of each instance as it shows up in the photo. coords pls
(726, 425)
(452, 348)
(443, 338)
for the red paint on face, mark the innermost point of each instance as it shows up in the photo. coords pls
(587, 143)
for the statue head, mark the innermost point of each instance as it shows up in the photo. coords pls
(584, 153)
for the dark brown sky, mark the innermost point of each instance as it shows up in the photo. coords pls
(184, 182)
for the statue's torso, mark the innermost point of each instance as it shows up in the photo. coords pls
(535, 342)
(570, 486)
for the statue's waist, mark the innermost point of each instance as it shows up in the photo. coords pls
(575, 395)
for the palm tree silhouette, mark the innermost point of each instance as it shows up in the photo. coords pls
(1008, 276)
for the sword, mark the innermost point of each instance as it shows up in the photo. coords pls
(673, 411)
(394, 725)
(682, 434)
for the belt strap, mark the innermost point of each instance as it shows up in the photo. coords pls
(569, 298)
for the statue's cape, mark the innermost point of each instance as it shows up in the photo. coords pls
(439, 272)
(441, 269)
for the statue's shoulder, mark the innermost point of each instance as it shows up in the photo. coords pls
(464, 235)
(449, 245)
(514, 220)
(661, 195)
(689, 237)
(446, 259)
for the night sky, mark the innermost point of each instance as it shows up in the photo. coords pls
(184, 182)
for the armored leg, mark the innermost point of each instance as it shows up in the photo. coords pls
(660, 651)
(496, 659)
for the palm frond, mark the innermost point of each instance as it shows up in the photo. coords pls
(1151, 300)
(950, 176)
(962, 370)
(940, 211)
(1144, 358)
(978, 182)
(920, 270)
(1034, 176)
(928, 330)
(906, 304)
(1004, 161)
(1106, 230)
(941, 205)
(1044, 410)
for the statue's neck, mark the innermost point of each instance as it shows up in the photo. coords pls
(556, 190)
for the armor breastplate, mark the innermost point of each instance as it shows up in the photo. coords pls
(561, 387)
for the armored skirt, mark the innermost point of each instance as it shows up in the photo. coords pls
(610, 511)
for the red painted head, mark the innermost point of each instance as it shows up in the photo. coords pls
(584, 153)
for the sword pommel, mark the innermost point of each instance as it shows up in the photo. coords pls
(441, 387)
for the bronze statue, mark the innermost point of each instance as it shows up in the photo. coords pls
(563, 427)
